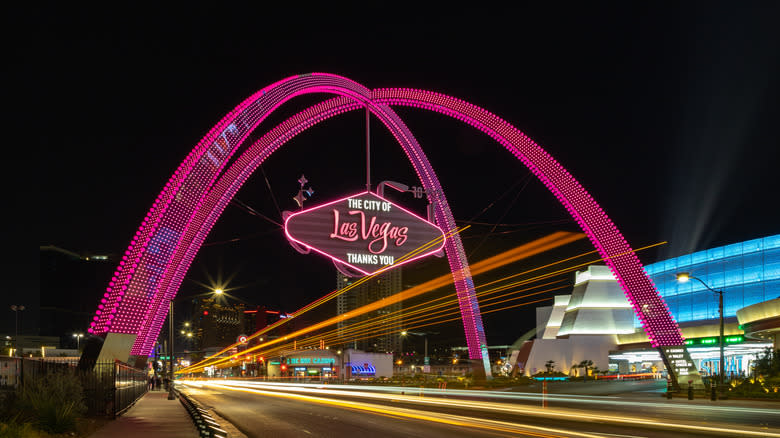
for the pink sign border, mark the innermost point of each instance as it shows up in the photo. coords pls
(362, 271)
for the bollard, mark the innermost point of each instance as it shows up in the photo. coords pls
(690, 391)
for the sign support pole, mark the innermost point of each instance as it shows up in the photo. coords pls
(368, 150)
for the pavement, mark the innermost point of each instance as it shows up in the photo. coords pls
(152, 416)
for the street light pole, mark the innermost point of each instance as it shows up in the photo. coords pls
(171, 395)
(16, 310)
(425, 336)
(426, 360)
(721, 370)
(401, 343)
(685, 276)
(216, 292)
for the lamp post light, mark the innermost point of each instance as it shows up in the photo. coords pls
(426, 360)
(16, 309)
(683, 277)
(218, 292)
(78, 337)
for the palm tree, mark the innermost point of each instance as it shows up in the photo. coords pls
(550, 365)
(572, 369)
(586, 364)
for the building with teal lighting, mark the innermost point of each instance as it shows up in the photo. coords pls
(747, 272)
(595, 319)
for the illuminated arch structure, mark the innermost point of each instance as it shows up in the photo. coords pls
(134, 305)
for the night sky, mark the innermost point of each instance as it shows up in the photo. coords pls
(666, 113)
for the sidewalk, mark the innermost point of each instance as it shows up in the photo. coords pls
(152, 416)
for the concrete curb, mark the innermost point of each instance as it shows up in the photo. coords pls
(207, 426)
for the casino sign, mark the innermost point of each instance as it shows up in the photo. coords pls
(365, 232)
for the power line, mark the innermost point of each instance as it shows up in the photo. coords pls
(268, 184)
(252, 211)
(527, 179)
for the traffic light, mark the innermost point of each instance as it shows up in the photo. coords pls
(284, 367)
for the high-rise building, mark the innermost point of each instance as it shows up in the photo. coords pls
(216, 325)
(259, 317)
(377, 335)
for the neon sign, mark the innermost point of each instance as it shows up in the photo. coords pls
(365, 231)
(310, 360)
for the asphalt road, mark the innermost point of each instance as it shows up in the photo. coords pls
(262, 410)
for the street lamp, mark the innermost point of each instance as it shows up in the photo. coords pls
(683, 277)
(401, 343)
(426, 361)
(16, 310)
(78, 337)
(171, 394)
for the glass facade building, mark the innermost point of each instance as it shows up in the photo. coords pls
(747, 273)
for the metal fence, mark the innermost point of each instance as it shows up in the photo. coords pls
(110, 388)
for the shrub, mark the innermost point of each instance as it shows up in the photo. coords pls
(53, 402)
(15, 429)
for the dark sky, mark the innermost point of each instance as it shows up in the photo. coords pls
(665, 112)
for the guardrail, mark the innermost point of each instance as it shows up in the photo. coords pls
(207, 426)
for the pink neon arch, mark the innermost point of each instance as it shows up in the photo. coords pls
(231, 181)
(135, 290)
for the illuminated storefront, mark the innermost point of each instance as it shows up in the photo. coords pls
(321, 364)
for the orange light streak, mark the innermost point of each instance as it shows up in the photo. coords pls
(537, 246)
(327, 297)
(481, 265)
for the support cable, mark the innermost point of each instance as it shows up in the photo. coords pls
(268, 184)
(527, 179)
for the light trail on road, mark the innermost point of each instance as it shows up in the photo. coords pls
(575, 398)
(404, 413)
(314, 393)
